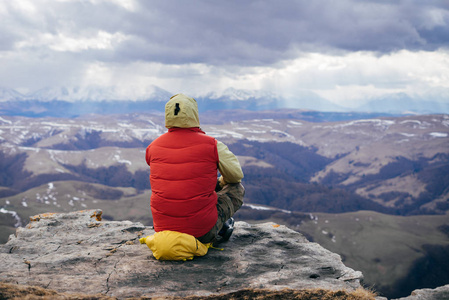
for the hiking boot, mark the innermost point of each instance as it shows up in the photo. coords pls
(227, 230)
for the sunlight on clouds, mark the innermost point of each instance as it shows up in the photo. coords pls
(61, 42)
(129, 81)
(130, 5)
(103, 40)
(335, 64)
(348, 78)
(24, 6)
(98, 74)
(427, 68)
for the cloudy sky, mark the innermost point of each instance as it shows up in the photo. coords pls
(345, 51)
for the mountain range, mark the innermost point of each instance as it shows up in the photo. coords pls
(372, 187)
(75, 101)
(394, 165)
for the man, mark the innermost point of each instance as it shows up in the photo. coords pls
(183, 176)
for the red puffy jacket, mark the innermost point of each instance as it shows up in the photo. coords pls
(183, 165)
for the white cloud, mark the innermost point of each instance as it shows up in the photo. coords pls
(359, 76)
(63, 43)
(348, 79)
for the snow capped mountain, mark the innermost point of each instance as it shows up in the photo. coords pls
(75, 101)
(98, 93)
(51, 93)
(242, 95)
(157, 94)
(9, 95)
(269, 100)
(117, 99)
(232, 98)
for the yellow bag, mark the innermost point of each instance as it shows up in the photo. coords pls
(173, 245)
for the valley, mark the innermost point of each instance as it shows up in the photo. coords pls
(374, 190)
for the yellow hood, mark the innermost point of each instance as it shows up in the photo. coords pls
(181, 111)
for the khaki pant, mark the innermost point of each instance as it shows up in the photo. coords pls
(230, 199)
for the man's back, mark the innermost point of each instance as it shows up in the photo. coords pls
(183, 178)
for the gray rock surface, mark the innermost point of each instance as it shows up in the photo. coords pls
(440, 293)
(78, 252)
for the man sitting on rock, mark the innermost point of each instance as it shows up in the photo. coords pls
(183, 165)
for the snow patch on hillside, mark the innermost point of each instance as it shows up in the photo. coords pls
(14, 215)
(377, 122)
(122, 161)
(260, 207)
(5, 121)
(438, 134)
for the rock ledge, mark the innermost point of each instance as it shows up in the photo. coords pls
(78, 252)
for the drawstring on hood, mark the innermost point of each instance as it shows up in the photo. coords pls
(181, 111)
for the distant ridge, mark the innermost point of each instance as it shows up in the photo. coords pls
(76, 101)
(401, 102)
(211, 111)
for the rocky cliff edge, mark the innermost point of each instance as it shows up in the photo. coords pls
(79, 252)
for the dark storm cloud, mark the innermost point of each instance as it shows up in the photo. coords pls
(257, 33)
(240, 32)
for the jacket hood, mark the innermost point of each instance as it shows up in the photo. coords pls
(181, 111)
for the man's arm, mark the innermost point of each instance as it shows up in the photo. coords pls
(228, 165)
